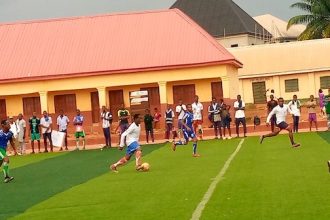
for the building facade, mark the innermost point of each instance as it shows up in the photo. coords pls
(300, 67)
(87, 62)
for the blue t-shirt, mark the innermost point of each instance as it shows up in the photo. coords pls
(4, 138)
(188, 119)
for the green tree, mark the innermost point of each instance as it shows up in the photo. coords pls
(317, 19)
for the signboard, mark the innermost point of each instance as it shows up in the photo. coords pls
(139, 102)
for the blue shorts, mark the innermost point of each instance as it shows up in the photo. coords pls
(188, 134)
(132, 148)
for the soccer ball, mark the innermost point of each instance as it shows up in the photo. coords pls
(145, 167)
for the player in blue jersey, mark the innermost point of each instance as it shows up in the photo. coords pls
(5, 136)
(188, 131)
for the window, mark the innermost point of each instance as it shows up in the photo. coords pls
(325, 82)
(184, 92)
(291, 85)
(234, 45)
(259, 90)
(30, 105)
(67, 103)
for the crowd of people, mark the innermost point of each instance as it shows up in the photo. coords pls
(190, 126)
(219, 116)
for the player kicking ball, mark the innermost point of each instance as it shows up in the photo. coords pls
(131, 135)
(188, 131)
(5, 136)
(281, 111)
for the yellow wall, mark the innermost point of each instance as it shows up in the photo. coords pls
(13, 92)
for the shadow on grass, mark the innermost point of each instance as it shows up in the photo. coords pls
(325, 135)
(39, 181)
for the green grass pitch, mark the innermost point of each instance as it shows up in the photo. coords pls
(268, 181)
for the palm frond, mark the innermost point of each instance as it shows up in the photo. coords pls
(302, 6)
(300, 19)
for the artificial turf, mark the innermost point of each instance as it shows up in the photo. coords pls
(269, 181)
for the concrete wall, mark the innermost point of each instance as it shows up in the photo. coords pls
(241, 40)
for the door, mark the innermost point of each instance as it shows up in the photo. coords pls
(184, 92)
(259, 92)
(30, 105)
(116, 101)
(217, 91)
(67, 103)
(153, 98)
(3, 109)
(95, 107)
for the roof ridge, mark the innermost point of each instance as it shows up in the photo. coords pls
(204, 34)
(84, 17)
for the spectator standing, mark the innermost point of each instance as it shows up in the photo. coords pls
(21, 124)
(270, 92)
(295, 107)
(46, 130)
(34, 122)
(157, 117)
(106, 125)
(215, 112)
(78, 122)
(62, 123)
(180, 112)
(197, 108)
(169, 116)
(271, 104)
(239, 107)
(327, 108)
(226, 120)
(123, 115)
(311, 104)
(148, 122)
(321, 103)
(15, 130)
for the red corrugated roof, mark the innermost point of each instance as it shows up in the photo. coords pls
(106, 44)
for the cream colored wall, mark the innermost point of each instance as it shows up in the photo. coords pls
(241, 40)
(309, 84)
(283, 58)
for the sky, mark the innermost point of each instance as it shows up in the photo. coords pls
(17, 10)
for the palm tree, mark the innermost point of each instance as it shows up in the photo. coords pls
(317, 19)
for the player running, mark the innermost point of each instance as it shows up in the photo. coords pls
(281, 112)
(188, 131)
(5, 136)
(131, 135)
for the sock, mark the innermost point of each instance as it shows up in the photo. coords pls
(77, 144)
(5, 169)
(84, 143)
(194, 148)
(179, 143)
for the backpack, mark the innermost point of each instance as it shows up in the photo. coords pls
(256, 121)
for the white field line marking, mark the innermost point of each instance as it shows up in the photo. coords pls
(199, 209)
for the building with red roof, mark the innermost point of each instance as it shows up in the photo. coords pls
(88, 62)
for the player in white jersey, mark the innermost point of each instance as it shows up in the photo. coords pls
(281, 112)
(131, 135)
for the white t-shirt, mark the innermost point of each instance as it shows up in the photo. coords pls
(46, 123)
(181, 109)
(15, 129)
(62, 122)
(132, 134)
(106, 117)
(295, 107)
(197, 110)
(21, 125)
(280, 112)
(239, 113)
